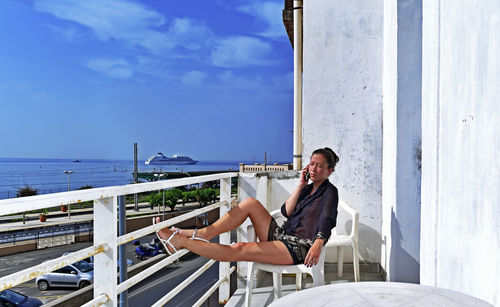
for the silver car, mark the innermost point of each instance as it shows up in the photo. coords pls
(78, 275)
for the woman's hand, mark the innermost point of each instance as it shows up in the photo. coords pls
(303, 181)
(312, 256)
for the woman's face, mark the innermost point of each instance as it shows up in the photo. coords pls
(318, 168)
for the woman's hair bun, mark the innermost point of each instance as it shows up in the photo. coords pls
(330, 156)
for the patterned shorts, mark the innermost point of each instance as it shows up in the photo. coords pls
(297, 247)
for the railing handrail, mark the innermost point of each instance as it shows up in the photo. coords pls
(102, 198)
(54, 264)
(25, 275)
(170, 222)
(28, 203)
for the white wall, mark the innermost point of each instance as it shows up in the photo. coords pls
(460, 233)
(402, 106)
(342, 104)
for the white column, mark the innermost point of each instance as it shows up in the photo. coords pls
(402, 107)
(430, 142)
(105, 263)
(297, 85)
(225, 238)
(262, 190)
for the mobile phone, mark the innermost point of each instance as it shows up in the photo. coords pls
(307, 176)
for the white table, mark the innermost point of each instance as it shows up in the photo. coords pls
(378, 294)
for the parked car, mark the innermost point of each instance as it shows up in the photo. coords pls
(91, 260)
(12, 298)
(78, 275)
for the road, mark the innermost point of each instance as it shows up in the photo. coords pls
(143, 294)
(156, 286)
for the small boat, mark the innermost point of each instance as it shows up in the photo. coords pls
(177, 159)
(77, 160)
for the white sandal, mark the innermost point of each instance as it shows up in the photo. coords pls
(194, 237)
(167, 241)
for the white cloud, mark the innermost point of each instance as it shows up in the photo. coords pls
(69, 33)
(268, 14)
(114, 68)
(238, 51)
(193, 77)
(130, 22)
(189, 33)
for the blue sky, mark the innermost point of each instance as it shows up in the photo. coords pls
(87, 79)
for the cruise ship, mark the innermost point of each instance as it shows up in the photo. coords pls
(177, 159)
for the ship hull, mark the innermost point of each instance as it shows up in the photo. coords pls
(172, 162)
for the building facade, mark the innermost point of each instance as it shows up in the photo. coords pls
(406, 92)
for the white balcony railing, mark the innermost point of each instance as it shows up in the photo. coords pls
(106, 240)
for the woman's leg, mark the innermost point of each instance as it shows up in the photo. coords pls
(274, 252)
(250, 207)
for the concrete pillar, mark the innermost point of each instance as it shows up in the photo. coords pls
(401, 158)
(461, 140)
(342, 105)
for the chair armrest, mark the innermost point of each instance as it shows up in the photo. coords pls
(251, 235)
(354, 217)
(275, 213)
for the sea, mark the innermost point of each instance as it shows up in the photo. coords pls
(48, 175)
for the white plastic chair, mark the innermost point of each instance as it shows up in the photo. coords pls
(317, 271)
(347, 240)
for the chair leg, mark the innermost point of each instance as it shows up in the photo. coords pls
(340, 260)
(298, 281)
(355, 261)
(318, 275)
(249, 286)
(277, 285)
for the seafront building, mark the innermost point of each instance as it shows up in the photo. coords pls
(406, 92)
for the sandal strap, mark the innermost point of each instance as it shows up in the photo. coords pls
(170, 238)
(194, 237)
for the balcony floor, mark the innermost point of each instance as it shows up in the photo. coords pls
(263, 295)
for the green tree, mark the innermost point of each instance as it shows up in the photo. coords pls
(171, 197)
(26, 191)
(204, 196)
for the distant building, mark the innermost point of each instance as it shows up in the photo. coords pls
(257, 167)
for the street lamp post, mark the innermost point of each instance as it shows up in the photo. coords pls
(69, 205)
(158, 176)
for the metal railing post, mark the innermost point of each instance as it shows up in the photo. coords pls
(105, 264)
(224, 238)
(122, 249)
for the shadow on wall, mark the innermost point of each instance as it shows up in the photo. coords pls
(248, 188)
(404, 268)
(280, 194)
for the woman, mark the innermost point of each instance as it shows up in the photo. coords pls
(311, 213)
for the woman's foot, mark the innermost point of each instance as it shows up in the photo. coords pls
(188, 233)
(170, 240)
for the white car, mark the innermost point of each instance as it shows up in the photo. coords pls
(77, 275)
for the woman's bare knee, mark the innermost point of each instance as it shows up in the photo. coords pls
(250, 203)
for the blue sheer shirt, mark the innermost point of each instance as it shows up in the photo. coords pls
(315, 215)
